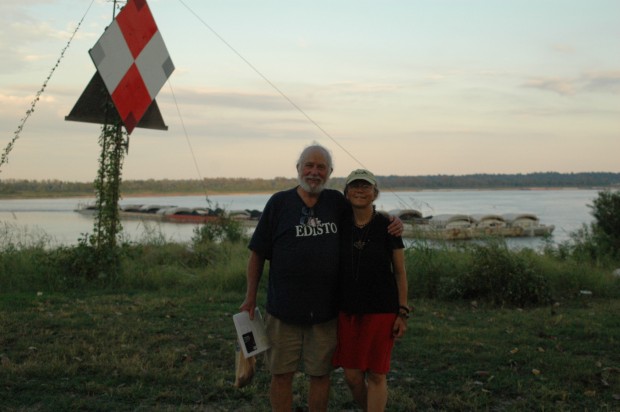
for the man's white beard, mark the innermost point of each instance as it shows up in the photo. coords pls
(304, 185)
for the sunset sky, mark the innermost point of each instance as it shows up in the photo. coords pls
(402, 87)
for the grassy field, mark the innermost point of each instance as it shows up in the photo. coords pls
(493, 330)
(174, 350)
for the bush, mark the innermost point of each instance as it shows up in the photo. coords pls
(606, 228)
(503, 277)
(220, 230)
(599, 242)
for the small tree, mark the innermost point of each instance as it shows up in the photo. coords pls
(606, 228)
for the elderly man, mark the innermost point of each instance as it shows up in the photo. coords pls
(299, 234)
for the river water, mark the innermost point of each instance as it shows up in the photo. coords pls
(25, 220)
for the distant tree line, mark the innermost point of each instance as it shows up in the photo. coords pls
(504, 181)
(56, 188)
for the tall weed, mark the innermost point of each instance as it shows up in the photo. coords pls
(568, 278)
(436, 270)
(433, 266)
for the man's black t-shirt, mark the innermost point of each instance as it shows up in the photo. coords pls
(302, 245)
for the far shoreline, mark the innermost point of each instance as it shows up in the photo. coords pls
(145, 194)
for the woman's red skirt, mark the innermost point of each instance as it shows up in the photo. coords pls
(365, 342)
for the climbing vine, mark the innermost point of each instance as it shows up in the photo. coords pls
(4, 158)
(107, 225)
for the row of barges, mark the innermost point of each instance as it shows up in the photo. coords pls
(443, 226)
(464, 226)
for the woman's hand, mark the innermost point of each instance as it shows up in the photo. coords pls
(400, 326)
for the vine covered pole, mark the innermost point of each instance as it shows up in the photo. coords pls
(107, 226)
(107, 221)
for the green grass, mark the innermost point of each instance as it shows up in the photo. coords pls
(174, 350)
(160, 337)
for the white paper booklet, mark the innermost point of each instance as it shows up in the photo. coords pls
(251, 333)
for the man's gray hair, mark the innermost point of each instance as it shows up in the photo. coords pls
(313, 148)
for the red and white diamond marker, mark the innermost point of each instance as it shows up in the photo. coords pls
(133, 61)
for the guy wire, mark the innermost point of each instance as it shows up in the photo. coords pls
(5, 154)
(280, 92)
(191, 149)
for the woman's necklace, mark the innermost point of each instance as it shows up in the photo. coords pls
(362, 238)
(362, 225)
(358, 247)
(362, 232)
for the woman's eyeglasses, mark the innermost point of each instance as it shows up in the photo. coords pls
(307, 217)
(360, 185)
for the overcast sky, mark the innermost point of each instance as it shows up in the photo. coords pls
(402, 87)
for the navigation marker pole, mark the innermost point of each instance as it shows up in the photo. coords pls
(132, 65)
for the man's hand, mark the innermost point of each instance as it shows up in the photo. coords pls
(248, 305)
(396, 226)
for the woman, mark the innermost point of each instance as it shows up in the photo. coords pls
(374, 307)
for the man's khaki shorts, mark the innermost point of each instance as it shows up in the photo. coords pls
(314, 344)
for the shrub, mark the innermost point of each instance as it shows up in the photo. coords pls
(502, 277)
(599, 242)
(222, 229)
(606, 228)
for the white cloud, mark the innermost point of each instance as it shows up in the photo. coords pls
(563, 87)
(607, 82)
